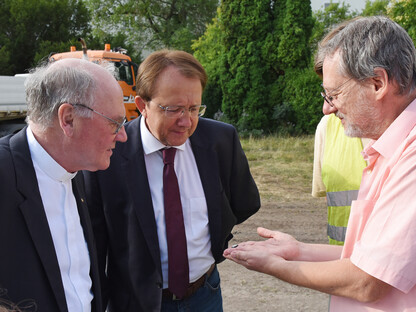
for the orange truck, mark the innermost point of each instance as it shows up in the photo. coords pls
(125, 69)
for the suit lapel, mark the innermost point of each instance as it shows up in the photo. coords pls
(34, 215)
(79, 193)
(135, 170)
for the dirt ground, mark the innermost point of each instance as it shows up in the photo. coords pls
(248, 291)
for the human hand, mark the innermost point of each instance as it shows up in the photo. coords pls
(254, 256)
(282, 244)
(278, 243)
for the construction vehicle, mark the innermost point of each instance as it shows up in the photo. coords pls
(12, 92)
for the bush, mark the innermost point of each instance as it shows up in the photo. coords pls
(212, 98)
(302, 92)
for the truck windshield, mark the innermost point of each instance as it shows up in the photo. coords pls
(124, 72)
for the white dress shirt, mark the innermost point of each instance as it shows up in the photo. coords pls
(194, 206)
(64, 223)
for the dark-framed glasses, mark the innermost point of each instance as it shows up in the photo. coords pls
(329, 98)
(118, 124)
(178, 111)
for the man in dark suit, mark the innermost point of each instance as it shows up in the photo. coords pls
(130, 210)
(48, 256)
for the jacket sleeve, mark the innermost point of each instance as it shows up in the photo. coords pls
(244, 195)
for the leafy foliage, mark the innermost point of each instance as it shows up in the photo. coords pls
(376, 7)
(245, 74)
(402, 12)
(153, 24)
(246, 51)
(209, 51)
(302, 91)
(28, 25)
(293, 50)
(332, 15)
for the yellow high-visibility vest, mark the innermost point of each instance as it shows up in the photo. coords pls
(342, 168)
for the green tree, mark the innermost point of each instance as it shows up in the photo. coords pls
(245, 74)
(26, 25)
(332, 15)
(6, 67)
(301, 97)
(272, 41)
(209, 50)
(246, 51)
(293, 49)
(376, 7)
(153, 24)
(402, 12)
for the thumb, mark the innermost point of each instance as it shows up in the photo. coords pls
(265, 232)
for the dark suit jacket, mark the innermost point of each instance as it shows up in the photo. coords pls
(29, 267)
(122, 211)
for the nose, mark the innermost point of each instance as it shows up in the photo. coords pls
(121, 135)
(328, 109)
(185, 120)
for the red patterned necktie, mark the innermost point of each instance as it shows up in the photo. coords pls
(175, 230)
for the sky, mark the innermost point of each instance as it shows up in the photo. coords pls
(354, 4)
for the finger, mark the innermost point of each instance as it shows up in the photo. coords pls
(227, 252)
(265, 232)
(243, 244)
(234, 247)
(237, 257)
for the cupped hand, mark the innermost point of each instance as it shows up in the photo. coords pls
(254, 256)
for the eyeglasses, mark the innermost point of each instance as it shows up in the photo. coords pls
(329, 98)
(178, 111)
(118, 124)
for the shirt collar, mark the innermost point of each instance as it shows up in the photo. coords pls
(45, 162)
(150, 143)
(396, 133)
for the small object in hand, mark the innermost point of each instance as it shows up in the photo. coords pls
(234, 246)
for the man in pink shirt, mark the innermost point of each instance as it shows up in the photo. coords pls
(369, 81)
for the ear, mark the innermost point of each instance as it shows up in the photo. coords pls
(141, 105)
(380, 83)
(66, 119)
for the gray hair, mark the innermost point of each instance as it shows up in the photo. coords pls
(367, 43)
(49, 86)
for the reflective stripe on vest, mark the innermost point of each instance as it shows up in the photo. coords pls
(341, 198)
(336, 233)
(342, 167)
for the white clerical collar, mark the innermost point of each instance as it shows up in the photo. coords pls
(45, 162)
(150, 143)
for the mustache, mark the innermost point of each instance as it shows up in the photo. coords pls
(339, 115)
